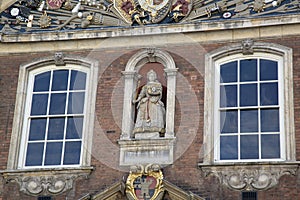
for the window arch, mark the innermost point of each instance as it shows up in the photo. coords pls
(249, 105)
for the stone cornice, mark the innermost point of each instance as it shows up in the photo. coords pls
(150, 30)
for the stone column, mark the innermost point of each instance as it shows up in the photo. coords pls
(170, 107)
(130, 78)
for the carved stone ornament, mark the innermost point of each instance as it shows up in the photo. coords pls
(51, 182)
(145, 183)
(59, 59)
(69, 14)
(255, 177)
(247, 46)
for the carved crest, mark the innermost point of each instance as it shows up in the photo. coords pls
(54, 4)
(144, 183)
(143, 12)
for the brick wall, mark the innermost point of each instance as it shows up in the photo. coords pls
(189, 102)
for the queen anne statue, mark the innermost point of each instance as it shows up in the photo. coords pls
(150, 109)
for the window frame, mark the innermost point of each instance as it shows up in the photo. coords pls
(237, 50)
(27, 115)
(217, 107)
(16, 157)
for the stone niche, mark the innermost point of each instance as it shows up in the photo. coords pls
(140, 144)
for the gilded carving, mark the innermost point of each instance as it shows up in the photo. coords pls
(67, 14)
(145, 183)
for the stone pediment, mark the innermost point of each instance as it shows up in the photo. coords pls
(33, 16)
(117, 192)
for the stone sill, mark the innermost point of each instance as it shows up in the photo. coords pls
(202, 26)
(45, 181)
(250, 176)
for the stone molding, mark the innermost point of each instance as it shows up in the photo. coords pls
(250, 177)
(46, 181)
(109, 32)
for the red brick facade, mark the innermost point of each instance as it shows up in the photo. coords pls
(184, 173)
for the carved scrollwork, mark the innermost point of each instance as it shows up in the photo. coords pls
(250, 177)
(45, 182)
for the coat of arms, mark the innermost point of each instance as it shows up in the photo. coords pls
(54, 4)
(152, 11)
(144, 183)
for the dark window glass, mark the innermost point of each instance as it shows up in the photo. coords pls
(249, 195)
(44, 198)
(76, 103)
(34, 154)
(268, 94)
(78, 80)
(248, 70)
(37, 129)
(229, 147)
(56, 128)
(229, 121)
(39, 104)
(74, 127)
(228, 96)
(249, 120)
(57, 104)
(268, 70)
(228, 72)
(72, 153)
(53, 153)
(270, 145)
(249, 147)
(248, 95)
(41, 82)
(269, 120)
(60, 80)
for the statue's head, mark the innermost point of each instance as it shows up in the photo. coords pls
(151, 75)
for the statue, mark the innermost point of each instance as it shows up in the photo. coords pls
(150, 109)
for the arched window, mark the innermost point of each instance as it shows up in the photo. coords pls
(53, 122)
(249, 115)
(249, 105)
(249, 108)
(54, 117)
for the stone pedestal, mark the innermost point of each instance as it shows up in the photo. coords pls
(153, 135)
(146, 150)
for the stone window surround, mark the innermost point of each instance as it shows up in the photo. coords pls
(53, 181)
(249, 175)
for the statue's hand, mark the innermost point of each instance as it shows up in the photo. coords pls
(134, 101)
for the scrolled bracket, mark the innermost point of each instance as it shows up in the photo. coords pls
(245, 177)
(45, 182)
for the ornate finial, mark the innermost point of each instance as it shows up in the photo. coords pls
(247, 46)
(59, 59)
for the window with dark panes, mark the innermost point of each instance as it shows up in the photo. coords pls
(249, 109)
(55, 119)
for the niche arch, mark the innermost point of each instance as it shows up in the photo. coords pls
(131, 77)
